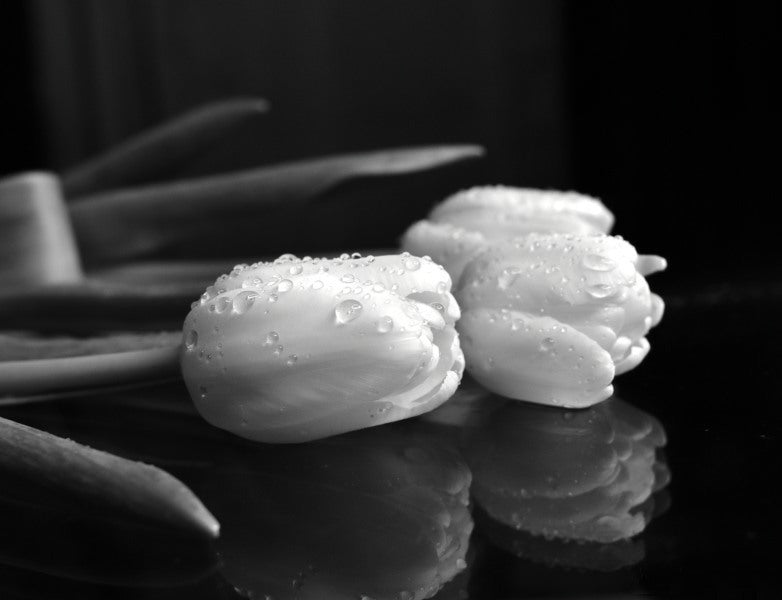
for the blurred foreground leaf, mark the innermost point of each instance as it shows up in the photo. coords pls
(41, 469)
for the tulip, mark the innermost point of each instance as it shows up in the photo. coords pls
(300, 349)
(551, 318)
(466, 223)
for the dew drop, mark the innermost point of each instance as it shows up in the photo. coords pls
(284, 286)
(508, 277)
(347, 278)
(317, 284)
(442, 287)
(278, 350)
(191, 341)
(223, 304)
(271, 338)
(295, 269)
(547, 344)
(438, 307)
(243, 302)
(291, 360)
(598, 262)
(600, 290)
(385, 324)
(273, 297)
(348, 311)
(412, 264)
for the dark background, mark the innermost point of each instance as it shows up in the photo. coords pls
(666, 111)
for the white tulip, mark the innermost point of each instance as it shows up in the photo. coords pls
(466, 223)
(551, 318)
(300, 349)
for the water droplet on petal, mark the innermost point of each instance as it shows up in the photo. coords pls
(271, 338)
(547, 344)
(273, 297)
(284, 286)
(316, 285)
(385, 324)
(598, 262)
(347, 278)
(291, 360)
(244, 301)
(295, 269)
(191, 340)
(600, 290)
(278, 350)
(412, 264)
(347, 311)
(438, 307)
(442, 287)
(223, 304)
(508, 277)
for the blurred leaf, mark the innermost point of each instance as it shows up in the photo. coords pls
(157, 152)
(233, 214)
(41, 469)
(97, 306)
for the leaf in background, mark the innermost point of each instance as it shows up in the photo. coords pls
(37, 244)
(97, 307)
(231, 214)
(39, 468)
(155, 153)
(39, 366)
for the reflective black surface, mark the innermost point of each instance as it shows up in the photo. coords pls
(489, 499)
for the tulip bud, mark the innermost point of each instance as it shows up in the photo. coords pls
(466, 223)
(551, 318)
(300, 349)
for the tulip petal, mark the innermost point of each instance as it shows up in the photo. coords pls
(650, 263)
(448, 245)
(535, 358)
(637, 353)
(505, 211)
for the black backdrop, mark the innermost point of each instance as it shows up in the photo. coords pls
(667, 111)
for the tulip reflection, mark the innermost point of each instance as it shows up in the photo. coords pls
(580, 475)
(381, 513)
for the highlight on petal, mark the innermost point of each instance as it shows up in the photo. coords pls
(581, 475)
(294, 350)
(557, 288)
